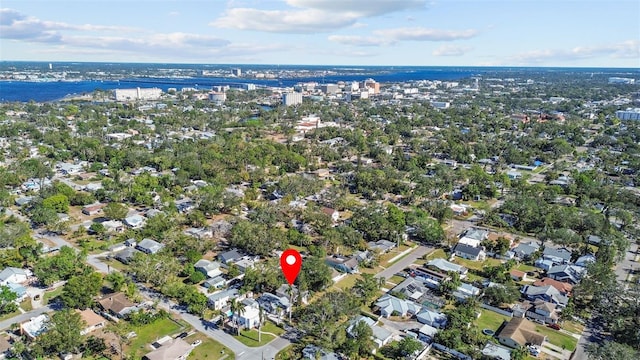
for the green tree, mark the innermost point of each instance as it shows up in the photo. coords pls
(63, 333)
(79, 291)
(115, 211)
(117, 280)
(7, 300)
(610, 350)
(237, 308)
(367, 286)
(58, 203)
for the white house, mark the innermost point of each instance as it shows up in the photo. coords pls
(210, 268)
(220, 299)
(250, 317)
(13, 275)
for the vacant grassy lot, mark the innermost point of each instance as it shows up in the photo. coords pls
(437, 254)
(490, 320)
(147, 334)
(250, 338)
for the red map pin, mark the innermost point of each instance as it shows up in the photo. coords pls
(290, 263)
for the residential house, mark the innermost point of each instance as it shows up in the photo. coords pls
(135, 221)
(557, 256)
(566, 273)
(245, 263)
(517, 275)
(465, 291)
(149, 246)
(380, 335)
(209, 268)
(543, 264)
(23, 200)
(585, 260)
(174, 349)
(274, 304)
(131, 242)
(495, 351)
(446, 266)
(594, 240)
(382, 246)
(519, 332)
(343, 264)
(283, 291)
(562, 287)
(92, 320)
(93, 209)
(524, 251)
(411, 288)
(113, 226)
(199, 233)
(473, 237)
(13, 275)
(363, 256)
(427, 333)
(250, 317)
(538, 310)
(333, 214)
(126, 255)
(432, 318)
(117, 247)
(220, 299)
(392, 306)
(19, 290)
(34, 326)
(431, 278)
(117, 304)
(547, 293)
(217, 282)
(470, 253)
(229, 256)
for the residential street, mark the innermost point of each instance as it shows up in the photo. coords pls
(24, 317)
(401, 264)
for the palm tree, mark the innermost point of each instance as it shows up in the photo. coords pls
(237, 308)
(260, 320)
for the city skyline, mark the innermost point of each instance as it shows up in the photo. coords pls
(348, 32)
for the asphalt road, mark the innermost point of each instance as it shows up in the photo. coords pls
(401, 264)
(24, 317)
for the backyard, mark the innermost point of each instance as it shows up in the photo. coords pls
(149, 333)
(209, 349)
(250, 337)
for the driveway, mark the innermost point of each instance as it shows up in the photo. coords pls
(24, 317)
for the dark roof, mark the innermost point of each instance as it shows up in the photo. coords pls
(464, 248)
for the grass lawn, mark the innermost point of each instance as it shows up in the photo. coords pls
(209, 349)
(9, 315)
(250, 338)
(384, 258)
(573, 327)
(272, 328)
(26, 305)
(526, 268)
(115, 264)
(437, 254)
(477, 265)
(395, 279)
(50, 295)
(557, 338)
(346, 282)
(150, 333)
(490, 320)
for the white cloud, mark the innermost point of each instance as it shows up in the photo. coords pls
(283, 21)
(310, 16)
(393, 36)
(362, 8)
(356, 40)
(425, 34)
(622, 50)
(451, 50)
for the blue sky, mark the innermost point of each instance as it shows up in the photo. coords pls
(333, 32)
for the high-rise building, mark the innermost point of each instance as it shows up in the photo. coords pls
(371, 84)
(236, 72)
(291, 98)
(218, 97)
(621, 80)
(629, 114)
(137, 94)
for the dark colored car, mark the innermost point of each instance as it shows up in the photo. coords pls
(554, 326)
(182, 335)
